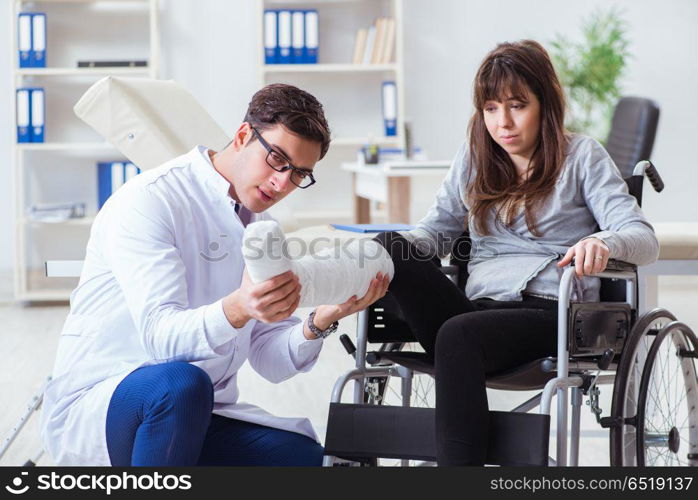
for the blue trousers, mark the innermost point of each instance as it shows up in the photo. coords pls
(161, 415)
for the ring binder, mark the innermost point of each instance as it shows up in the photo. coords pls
(271, 45)
(23, 116)
(38, 51)
(311, 36)
(390, 108)
(284, 37)
(24, 39)
(37, 117)
(299, 52)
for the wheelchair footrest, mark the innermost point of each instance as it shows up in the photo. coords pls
(361, 432)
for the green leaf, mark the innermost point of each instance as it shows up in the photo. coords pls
(591, 70)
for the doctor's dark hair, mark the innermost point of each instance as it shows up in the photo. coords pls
(297, 110)
(515, 70)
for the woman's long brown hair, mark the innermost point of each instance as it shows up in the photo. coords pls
(515, 69)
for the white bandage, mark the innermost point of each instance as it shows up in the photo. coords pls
(330, 276)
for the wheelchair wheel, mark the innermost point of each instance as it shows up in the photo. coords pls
(421, 391)
(667, 415)
(626, 387)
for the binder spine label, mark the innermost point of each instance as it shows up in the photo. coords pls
(38, 40)
(311, 37)
(38, 111)
(284, 39)
(271, 45)
(23, 116)
(130, 171)
(24, 40)
(390, 108)
(298, 36)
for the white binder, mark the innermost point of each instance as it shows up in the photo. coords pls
(39, 40)
(37, 114)
(24, 39)
(117, 176)
(312, 37)
(284, 37)
(23, 116)
(270, 45)
(298, 36)
(390, 108)
(130, 171)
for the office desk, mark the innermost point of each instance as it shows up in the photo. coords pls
(678, 255)
(389, 183)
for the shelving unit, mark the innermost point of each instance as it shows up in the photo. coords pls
(66, 146)
(99, 72)
(327, 68)
(82, 221)
(71, 149)
(350, 93)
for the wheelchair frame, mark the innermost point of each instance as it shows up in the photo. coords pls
(556, 386)
(564, 380)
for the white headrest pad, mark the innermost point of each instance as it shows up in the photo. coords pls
(149, 121)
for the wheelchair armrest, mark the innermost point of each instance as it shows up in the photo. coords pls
(613, 266)
(619, 265)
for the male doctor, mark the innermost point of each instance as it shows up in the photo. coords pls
(164, 314)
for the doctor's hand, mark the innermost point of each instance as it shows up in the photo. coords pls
(328, 314)
(268, 302)
(590, 256)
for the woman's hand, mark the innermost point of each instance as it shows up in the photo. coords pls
(590, 254)
(328, 314)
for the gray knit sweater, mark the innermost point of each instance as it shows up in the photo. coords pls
(589, 199)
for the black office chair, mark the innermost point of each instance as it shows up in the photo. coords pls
(632, 133)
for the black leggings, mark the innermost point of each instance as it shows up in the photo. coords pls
(468, 340)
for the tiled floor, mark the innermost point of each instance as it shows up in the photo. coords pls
(29, 338)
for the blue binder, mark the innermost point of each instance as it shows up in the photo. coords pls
(38, 114)
(24, 39)
(23, 115)
(373, 228)
(298, 37)
(311, 36)
(110, 177)
(284, 37)
(103, 183)
(38, 51)
(271, 46)
(390, 108)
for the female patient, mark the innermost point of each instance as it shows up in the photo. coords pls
(532, 197)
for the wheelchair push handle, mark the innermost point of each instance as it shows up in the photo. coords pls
(646, 168)
(348, 344)
(606, 359)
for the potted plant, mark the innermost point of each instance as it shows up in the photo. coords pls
(590, 71)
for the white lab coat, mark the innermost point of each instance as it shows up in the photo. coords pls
(163, 252)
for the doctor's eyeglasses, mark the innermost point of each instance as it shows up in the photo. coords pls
(302, 178)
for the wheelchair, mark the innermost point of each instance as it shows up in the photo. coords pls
(649, 359)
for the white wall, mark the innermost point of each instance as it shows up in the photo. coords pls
(209, 46)
(7, 136)
(444, 47)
